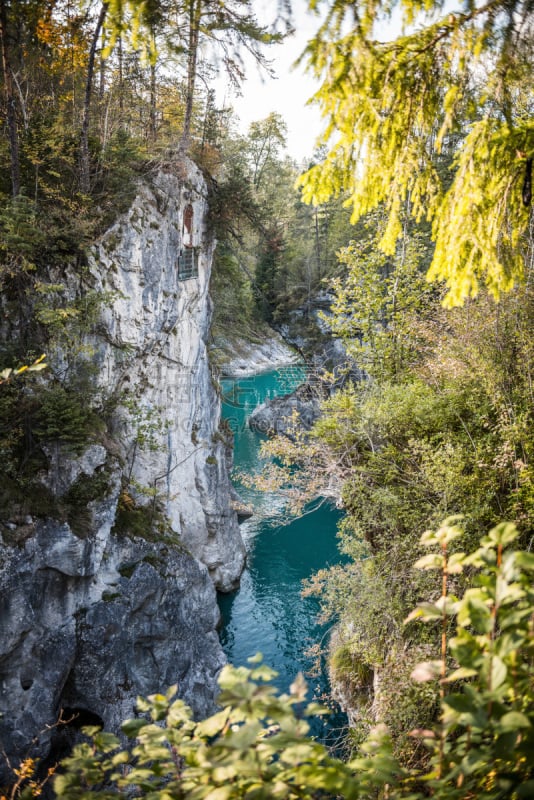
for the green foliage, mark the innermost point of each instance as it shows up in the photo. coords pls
(143, 520)
(74, 508)
(232, 292)
(350, 671)
(451, 431)
(266, 138)
(455, 435)
(481, 227)
(231, 202)
(257, 744)
(56, 228)
(456, 83)
(412, 458)
(37, 422)
(380, 302)
(367, 599)
(267, 274)
(274, 252)
(484, 744)
(66, 320)
(250, 202)
(22, 238)
(120, 165)
(146, 423)
(62, 416)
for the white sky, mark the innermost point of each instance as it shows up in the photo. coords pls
(287, 94)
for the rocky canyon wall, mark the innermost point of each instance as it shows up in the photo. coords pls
(94, 612)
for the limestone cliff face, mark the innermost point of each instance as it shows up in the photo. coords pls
(152, 357)
(93, 614)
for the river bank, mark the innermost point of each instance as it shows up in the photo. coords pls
(239, 357)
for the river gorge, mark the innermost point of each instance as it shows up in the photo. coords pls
(113, 549)
(268, 613)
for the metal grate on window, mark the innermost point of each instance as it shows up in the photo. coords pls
(188, 264)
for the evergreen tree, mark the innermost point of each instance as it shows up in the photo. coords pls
(9, 93)
(267, 274)
(458, 84)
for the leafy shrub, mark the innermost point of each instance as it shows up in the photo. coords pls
(257, 746)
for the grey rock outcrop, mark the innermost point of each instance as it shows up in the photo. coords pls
(286, 414)
(87, 625)
(94, 613)
(239, 358)
(307, 330)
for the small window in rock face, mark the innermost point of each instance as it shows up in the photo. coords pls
(188, 264)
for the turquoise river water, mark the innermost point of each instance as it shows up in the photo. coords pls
(268, 613)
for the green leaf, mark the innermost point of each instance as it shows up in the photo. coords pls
(498, 672)
(120, 758)
(255, 659)
(515, 619)
(63, 784)
(431, 561)
(263, 673)
(142, 704)
(460, 703)
(455, 563)
(465, 709)
(171, 691)
(503, 534)
(317, 710)
(232, 678)
(510, 642)
(474, 611)
(525, 560)
(105, 741)
(214, 724)
(91, 730)
(460, 674)
(426, 612)
(131, 727)
(513, 721)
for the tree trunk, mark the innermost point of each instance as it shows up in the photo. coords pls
(209, 97)
(10, 103)
(317, 245)
(195, 9)
(102, 84)
(121, 79)
(153, 99)
(85, 163)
